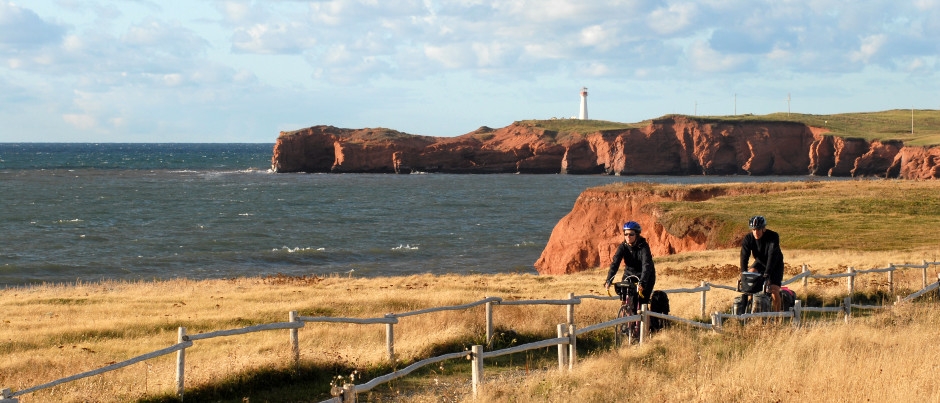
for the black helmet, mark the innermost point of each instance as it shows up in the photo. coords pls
(633, 226)
(757, 221)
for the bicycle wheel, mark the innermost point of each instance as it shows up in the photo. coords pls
(624, 328)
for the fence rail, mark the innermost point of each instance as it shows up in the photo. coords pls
(566, 340)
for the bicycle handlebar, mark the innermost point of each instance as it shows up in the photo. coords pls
(631, 279)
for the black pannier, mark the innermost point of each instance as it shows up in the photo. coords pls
(659, 303)
(751, 283)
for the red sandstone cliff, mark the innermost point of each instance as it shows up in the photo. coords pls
(672, 145)
(590, 233)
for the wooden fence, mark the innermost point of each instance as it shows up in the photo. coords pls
(566, 339)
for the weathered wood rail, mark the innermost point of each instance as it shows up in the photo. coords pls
(566, 341)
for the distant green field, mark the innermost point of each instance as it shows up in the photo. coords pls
(886, 125)
(581, 126)
(872, 215)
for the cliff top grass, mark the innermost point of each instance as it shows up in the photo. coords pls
(580, 126)
(884, 125)
(822, 215)
(893, 124)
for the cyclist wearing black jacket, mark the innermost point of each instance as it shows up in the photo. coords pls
(637, 260)
(764, 245)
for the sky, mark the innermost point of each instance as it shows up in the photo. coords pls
(198, 71)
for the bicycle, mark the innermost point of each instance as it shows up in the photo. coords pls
(754, 296)
(629, 306)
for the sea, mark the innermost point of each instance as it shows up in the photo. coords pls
(77, 212)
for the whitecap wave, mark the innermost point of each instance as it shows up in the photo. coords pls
(405, 247)
(297, 249)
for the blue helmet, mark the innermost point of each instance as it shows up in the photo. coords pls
(633, 226)
(757, 221)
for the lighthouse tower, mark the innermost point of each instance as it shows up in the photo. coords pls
(583, 114)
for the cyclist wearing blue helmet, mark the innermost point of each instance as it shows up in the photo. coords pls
(764, 245)
(637, 260)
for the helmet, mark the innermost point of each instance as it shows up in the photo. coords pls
(632, 225)
(757, 221)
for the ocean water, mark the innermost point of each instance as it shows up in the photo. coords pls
(88, 212)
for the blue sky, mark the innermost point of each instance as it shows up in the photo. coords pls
(241, 71)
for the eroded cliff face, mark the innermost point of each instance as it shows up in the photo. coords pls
(673, 145)
(590, 233)
(916, 163)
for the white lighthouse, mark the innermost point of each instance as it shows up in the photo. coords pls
(583, 114)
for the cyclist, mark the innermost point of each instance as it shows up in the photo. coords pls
(764, 245)
(637, 260)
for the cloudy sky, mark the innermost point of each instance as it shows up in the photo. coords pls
(241, 71)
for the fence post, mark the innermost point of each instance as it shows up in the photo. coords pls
(571, 308)
(716, 321)
(349, 393)
(644, 322)
(847, 304)
(891, 280)
(477, 369)
(805, 277)
(562, 349)
(797, 312)
(850, 280)
(6, 396)
(294, 338)
(925, 275)
(572, 347)
(704, 292)
(390, 341)
(938, 282)
(180, 362)
(489, 322)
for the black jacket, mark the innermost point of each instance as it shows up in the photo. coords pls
(766, 251)
(638, 261)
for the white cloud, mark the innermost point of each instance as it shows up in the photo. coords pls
(80, 121)
(163, 37)
(449, 56)
(270, 39)
(868, 48)
(596, 69)
(600, 37)
(490, 55)
(672, 19)
(703, 58)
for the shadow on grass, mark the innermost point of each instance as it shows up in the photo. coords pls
(304, 383)
(312, 383)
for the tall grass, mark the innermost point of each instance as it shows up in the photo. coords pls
(53, 331)
(877, 358)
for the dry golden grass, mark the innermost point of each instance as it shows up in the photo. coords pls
(879, 358)
(52, 331)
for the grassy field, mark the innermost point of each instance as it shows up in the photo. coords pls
(858, 214)
(55, 331)
(52, 331)
(885, 125)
